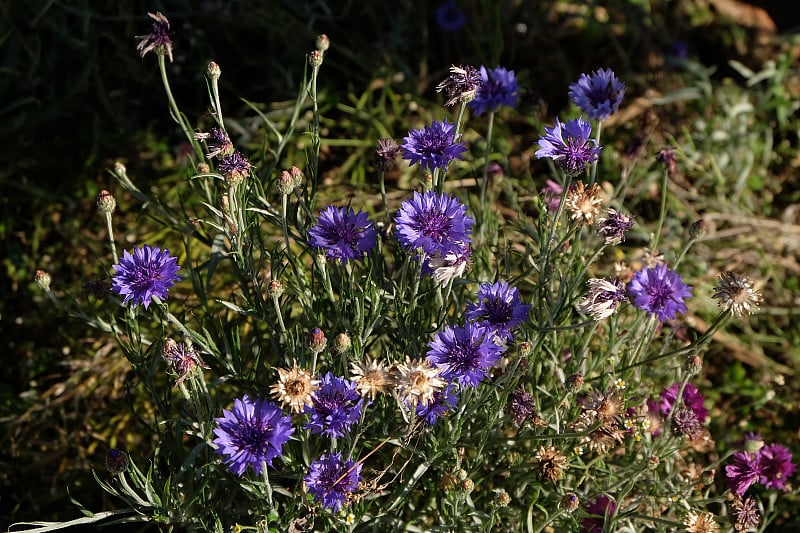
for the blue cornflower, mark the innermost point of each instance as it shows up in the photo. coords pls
(599, 94)
(659, 291)
(343, 234)
(252, 433)
(569, 145)
(331, 480)
(464, 354)
(436, 223)
(335, 406)
(498, 308)
(498, 88)
(433, 146)
(449, 16)
(145, 273)
(443, 402)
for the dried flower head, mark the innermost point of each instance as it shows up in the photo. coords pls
(735, 292)
(745, 514)
(614, 226)
(182, 358)
(416, 381)
(117, 461)
(158, 40)
(520, 406)
(385, 158)
(461, 85)
(446, 265)
(371, 377)
(607, 406)
(700, 523)
(294, 388)
(551, 464)
(217, 142)
(234, 167)
(569, 502)
(603, 437)
(602, 298)
(584, 204)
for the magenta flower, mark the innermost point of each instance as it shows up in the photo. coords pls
(744, 470)
(691, 398)
(145, 273)
(600, 509)
(776, 466)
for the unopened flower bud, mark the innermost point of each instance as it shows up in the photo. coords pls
(315, 58)
(653, 461)
(316, 341)
(342, 343)
(694, 364)
(42, 279)
(467, 485)
(753, 442)
(667, 158)
(323, 43)
(119, 169)
(698, 229)
(213, 71)
(117, 461)
(285, 183)
(106, 202)
(524, 349)
(569, 502)
(297, 176)
(275, 289)
(574, 382)
(203, 168)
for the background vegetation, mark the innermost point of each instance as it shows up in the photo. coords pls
(77, 97)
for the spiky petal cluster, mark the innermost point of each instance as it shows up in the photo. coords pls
(252, 433)
(158, 40)
(690, 397)
(435, 223)
(498, 88)
(343, 233)
(735, 292)
(771, 466)
(417, 382)
(498, 308)
(614, 226)
(433, 146)
(335, 407)
(182, 358)
(570, 145)
(598, 94)
(659, 291)
(145, 273)
(331, 480)
(464, 354)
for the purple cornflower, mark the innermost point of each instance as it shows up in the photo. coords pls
(217, 142)
(252, 433)
(343, 234)
(498, 309)
(464, 355)
(569, 145)
(776, 466)
(552, 195)
(659, 291)
(744, 470)
(691, 398)
(498, 87)
(461, 85)
(603, 507)
(145, 273)
(614, 226)
(335, 407)
(520, 406)
(443, 402)
(158, 40)
(603, 297)
(433, 222)
(449, 16)
(331, 480)
(433, 146)
(599, 94)
(235, 167)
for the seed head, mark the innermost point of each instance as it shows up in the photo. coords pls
(735, 292)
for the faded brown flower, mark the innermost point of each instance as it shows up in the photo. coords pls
(584, 204)
(294, 388)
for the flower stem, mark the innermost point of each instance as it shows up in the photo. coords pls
(177, 116)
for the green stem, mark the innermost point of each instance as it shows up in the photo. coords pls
(484, 184)
(111, 237)
(662, 214)
(176, 113)
(593, 172)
